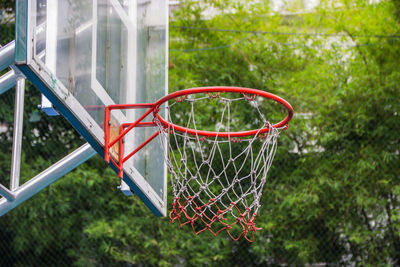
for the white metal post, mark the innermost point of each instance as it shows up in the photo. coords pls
(17, 133)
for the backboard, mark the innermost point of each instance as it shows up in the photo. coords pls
(84, 55)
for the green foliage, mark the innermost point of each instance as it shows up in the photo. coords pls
(7, 5)
(333, 192)
(6, 21)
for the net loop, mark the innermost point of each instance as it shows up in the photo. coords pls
(214, 96)
(236, 139)
(155, 112)
(180, 99)
(249, 98)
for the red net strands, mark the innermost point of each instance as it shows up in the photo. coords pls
(245, 221)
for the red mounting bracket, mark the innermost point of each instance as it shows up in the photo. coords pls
(123, 130)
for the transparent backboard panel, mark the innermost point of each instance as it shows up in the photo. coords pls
(95, 53)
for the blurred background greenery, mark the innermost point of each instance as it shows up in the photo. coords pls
(333, 193)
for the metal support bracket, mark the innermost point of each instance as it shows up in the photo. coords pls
(45, 178)
(17, 194)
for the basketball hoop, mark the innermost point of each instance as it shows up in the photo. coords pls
(217, 176)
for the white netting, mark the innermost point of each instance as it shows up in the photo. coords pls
(217, 182)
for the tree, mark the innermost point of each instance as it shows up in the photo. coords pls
(333, 191)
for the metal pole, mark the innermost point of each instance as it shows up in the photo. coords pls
(17, 133)
(47, 177)
(7, 55)
(7, 81)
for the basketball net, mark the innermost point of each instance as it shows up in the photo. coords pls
(217, 182)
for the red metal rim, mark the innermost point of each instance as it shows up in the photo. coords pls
(241, 90)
